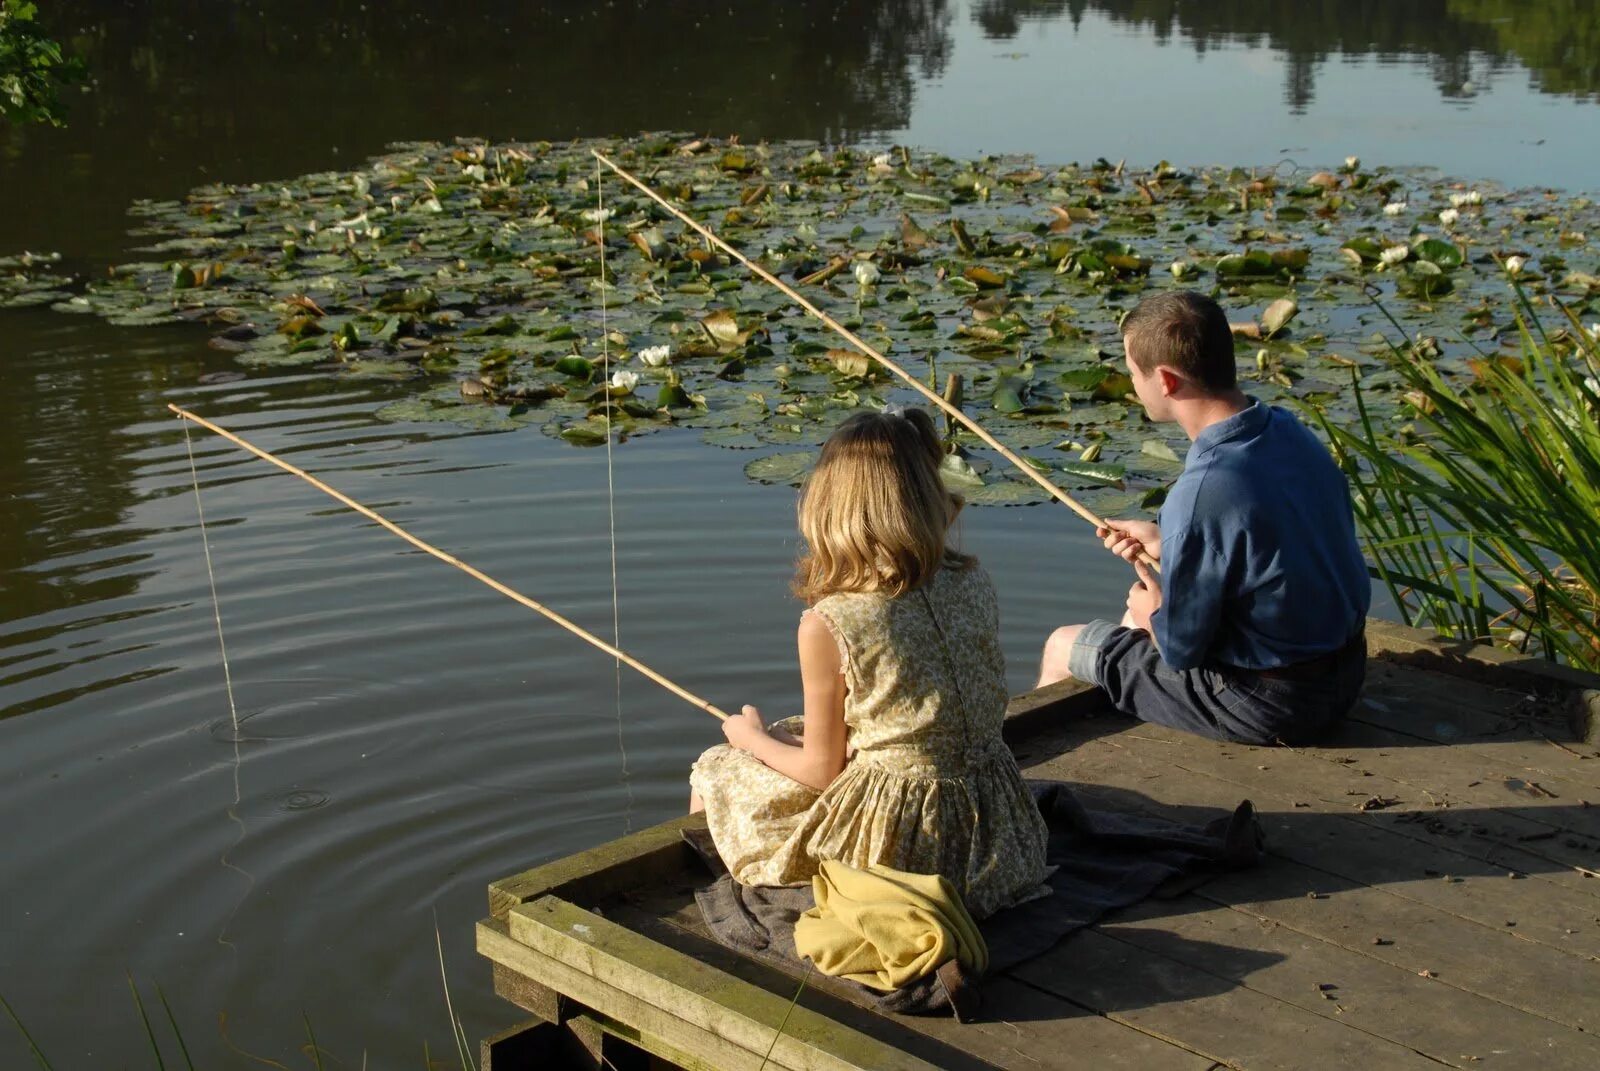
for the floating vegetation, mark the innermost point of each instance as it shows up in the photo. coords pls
(476, 269)
(28, 279)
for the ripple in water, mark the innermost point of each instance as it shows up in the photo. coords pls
(291, 802)
(224, 731)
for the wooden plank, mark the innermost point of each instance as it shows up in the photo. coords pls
(1420, 1012)
(1495, 964)
(529, 995)
(529, 1046)
(1523, 731)
(1019, 1026)
(1206, 1011)
(1030, 712)
(1580, 690)
(708, 998)
(1349, 845)
(628, 862)
(1293, 779)
(614, 1038)
(496, 943)
(1447, 777)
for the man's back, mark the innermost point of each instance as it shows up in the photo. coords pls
(1260, 560)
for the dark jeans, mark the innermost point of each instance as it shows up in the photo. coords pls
(1214, 701)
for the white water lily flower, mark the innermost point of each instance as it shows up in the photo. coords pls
(1180, 268)
(475, 172)
(1394, 208)
(882, 159)
(597, 215)
(1393, 255)
(1449, 216)
(1594, 332)
(624, 380)
(866, 272)
(655, 356)
(1593, 384)
(1351, 163)
(1514, 265)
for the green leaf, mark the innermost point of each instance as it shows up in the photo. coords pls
(1100, 475)
(1446, 256)
(1160, 451)
(782, 468)
(576, 368)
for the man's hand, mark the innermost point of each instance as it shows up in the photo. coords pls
(743, 730)
(1144, 598)
(1128, 539)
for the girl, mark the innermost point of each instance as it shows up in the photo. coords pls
(898, 758)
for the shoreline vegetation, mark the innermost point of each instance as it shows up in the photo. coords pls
(34, 69)
(1479, 511)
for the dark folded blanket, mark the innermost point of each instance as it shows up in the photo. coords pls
(1104, 860)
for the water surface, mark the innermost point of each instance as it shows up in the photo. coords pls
(405, 736)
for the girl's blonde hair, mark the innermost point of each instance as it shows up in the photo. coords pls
(874, 513)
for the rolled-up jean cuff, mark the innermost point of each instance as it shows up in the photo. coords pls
(1083, 661)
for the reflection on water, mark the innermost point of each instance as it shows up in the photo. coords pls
(405, 737)
(1557, 41)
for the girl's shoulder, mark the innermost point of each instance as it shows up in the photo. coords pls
(969, 574)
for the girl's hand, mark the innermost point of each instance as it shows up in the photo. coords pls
(744, 729)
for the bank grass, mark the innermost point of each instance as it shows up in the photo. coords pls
(1482, 516)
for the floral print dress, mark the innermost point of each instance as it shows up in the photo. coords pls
(929, 788)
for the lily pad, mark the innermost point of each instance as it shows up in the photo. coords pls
(782, 468)
(732, 438)
(1007, 492)
(478, 261)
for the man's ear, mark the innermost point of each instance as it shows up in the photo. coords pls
(1171, 382)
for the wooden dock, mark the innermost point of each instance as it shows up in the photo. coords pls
(1431, 896)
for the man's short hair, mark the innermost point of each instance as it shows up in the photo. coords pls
(1187, 332)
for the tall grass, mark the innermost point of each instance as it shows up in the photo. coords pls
(1485, 523)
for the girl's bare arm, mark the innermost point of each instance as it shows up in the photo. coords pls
(819, 756)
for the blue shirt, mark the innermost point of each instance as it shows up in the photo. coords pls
(1259, 560)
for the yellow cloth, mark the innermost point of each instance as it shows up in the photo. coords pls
(885, 928)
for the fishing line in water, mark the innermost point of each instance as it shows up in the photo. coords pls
(611, 490)
(227, 678)
(449, 559)
(211, 576)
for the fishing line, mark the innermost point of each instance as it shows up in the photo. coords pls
(611, 490)
(851, 337)
(451, 560)
(233, 711)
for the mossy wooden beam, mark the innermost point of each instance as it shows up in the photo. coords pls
(652, 1026)
(711, 1000)
(625, 863)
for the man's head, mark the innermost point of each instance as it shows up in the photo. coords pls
(1179, 347)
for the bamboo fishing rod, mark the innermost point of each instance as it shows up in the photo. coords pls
(849, 336)
(450, 559)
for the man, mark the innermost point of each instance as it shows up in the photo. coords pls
(1253, 631)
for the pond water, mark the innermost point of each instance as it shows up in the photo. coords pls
(404, 735)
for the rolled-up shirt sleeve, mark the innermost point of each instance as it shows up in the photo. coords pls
(1193, 585)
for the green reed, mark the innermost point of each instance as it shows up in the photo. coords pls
(1481, 522)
